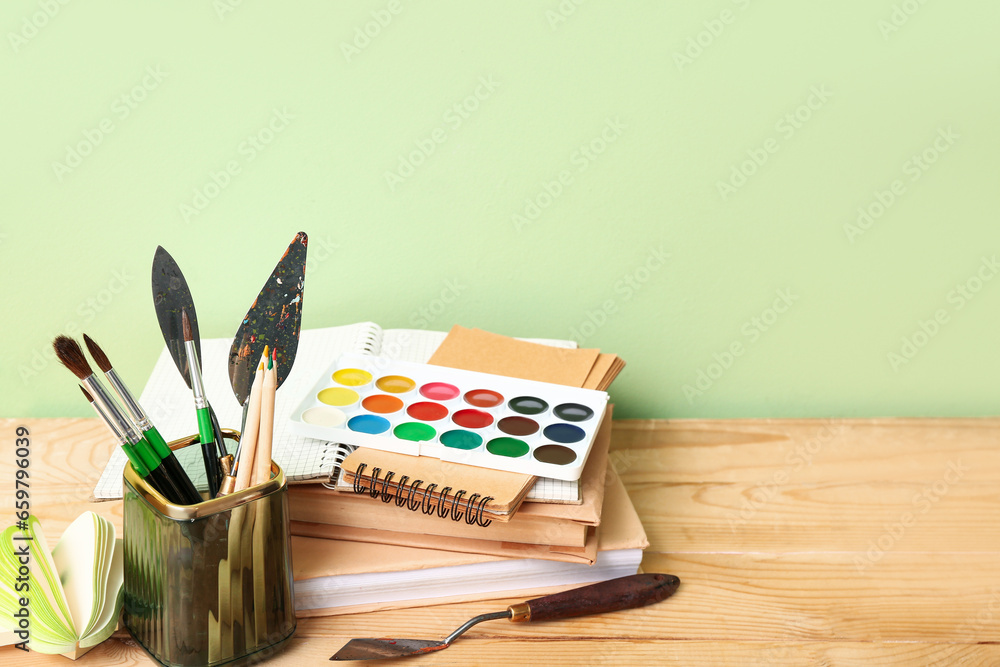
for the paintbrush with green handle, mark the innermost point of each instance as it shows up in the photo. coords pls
(156, 478)
(171, 465)
(70, 354)
(205, 431)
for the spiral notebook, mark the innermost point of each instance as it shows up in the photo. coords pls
(479, 497)
(167, 399)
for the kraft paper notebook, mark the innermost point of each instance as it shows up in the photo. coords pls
(311, 503)
(337, 577)
(168, 400)
(587, 511)
(477, 350)
(538, 530)
(462, 493)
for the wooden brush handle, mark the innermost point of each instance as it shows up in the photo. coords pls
(637, 590)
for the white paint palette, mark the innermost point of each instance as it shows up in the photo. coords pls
(478, 419)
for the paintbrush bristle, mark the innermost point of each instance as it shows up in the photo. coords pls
(97, 353)
(86, 394)
(186, 325)
(71, 356)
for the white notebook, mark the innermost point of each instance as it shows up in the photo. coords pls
(170, 406)
(491, 578)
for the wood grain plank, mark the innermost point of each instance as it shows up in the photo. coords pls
(745, 597)
(476, 650)
(895, 596)
(804, 450)
(801, 580)
(727, 517)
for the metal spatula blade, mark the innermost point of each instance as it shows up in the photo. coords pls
(274, 319)
(630, 592)
(372, 649)
(171, 297)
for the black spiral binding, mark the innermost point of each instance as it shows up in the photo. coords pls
(336, 458)
(414, 498)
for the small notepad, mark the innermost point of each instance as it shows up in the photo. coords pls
(75, 589)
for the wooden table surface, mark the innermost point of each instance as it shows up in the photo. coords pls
(798, 542)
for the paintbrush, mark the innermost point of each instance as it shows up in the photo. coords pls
(156, 480)
(141, 420)
(205, 431)
(70, 354)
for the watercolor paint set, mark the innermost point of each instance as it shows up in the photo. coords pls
(479, 419)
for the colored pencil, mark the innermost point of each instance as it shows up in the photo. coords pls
(244, 467)
(262, 467)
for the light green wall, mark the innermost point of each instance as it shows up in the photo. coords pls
(887, 80)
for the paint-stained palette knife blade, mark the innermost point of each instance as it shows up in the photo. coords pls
(274, 319)
(171, 297)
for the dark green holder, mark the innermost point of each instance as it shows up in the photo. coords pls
(211, 583)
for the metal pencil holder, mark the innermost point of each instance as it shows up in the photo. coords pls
(211, 583)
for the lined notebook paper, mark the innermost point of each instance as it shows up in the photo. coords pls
(170, 405)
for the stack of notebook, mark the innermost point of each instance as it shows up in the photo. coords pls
(353, 552)
(533, 532)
